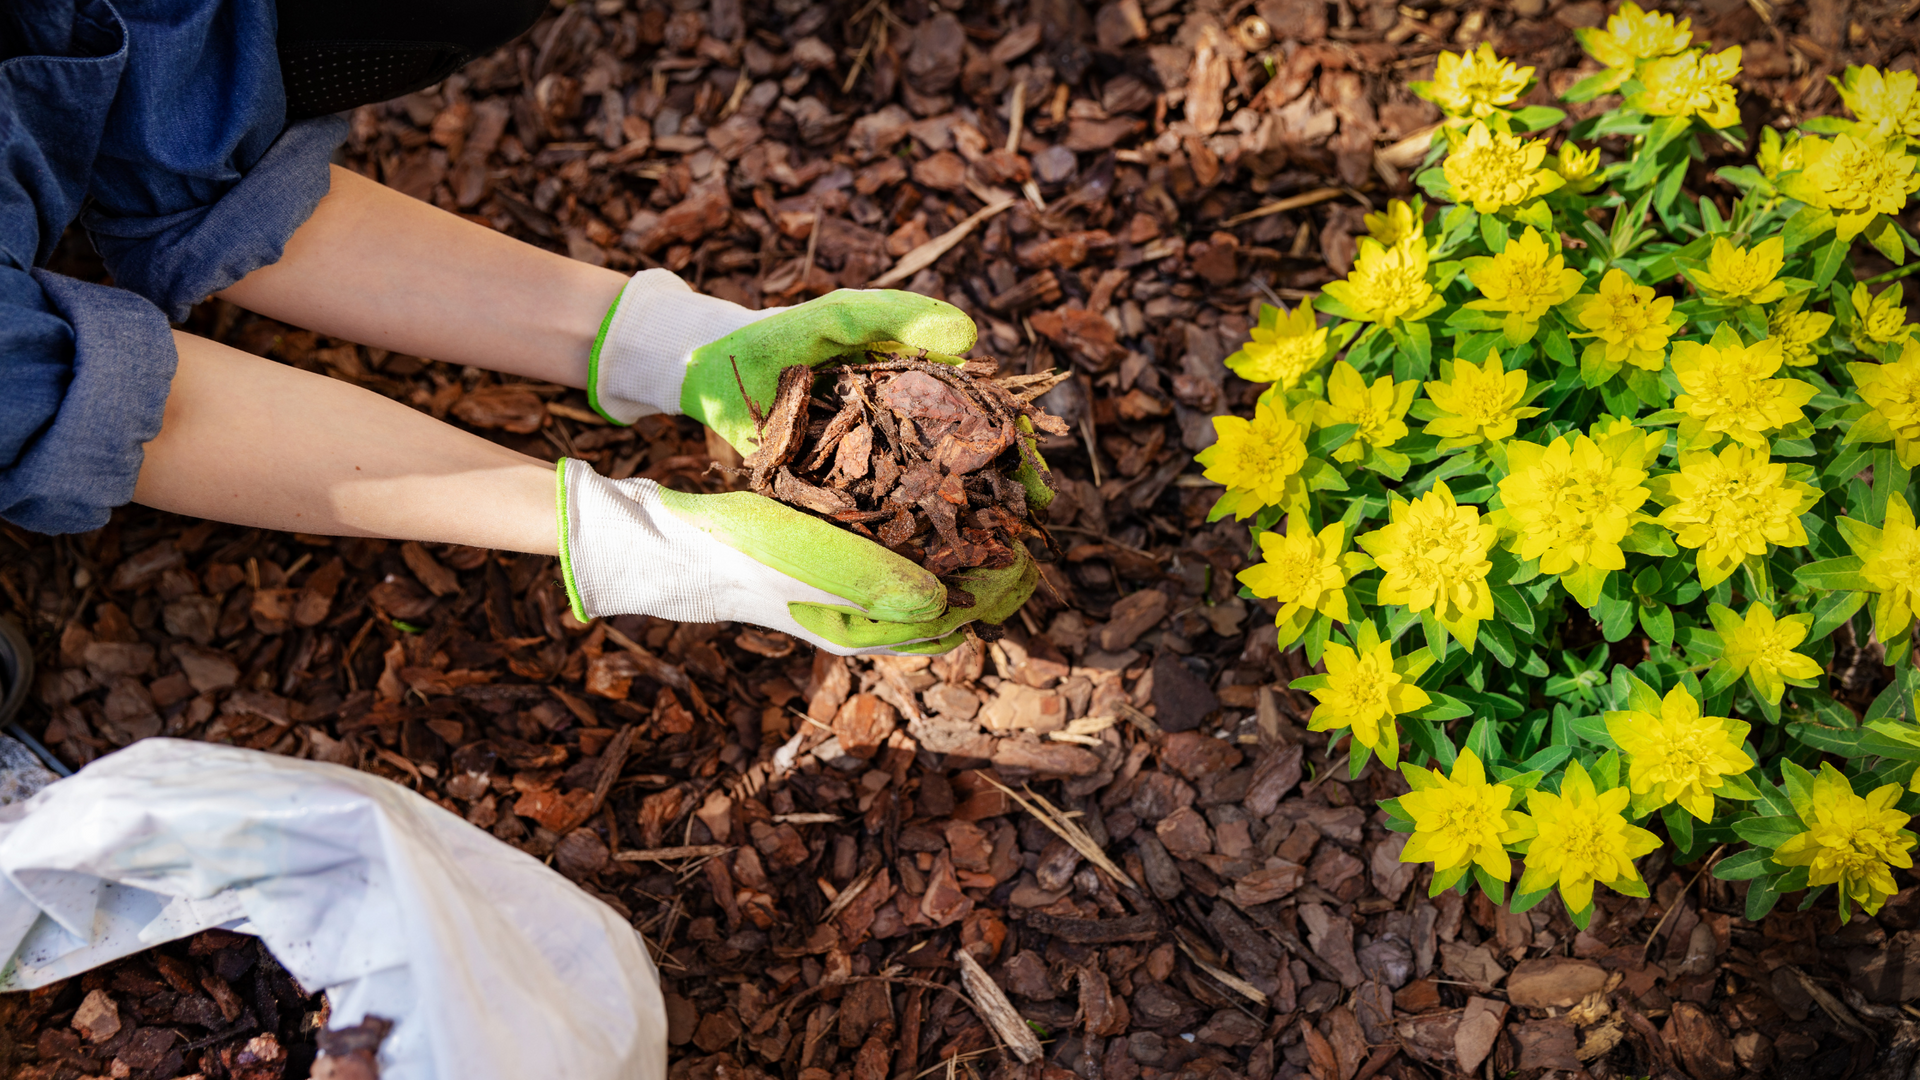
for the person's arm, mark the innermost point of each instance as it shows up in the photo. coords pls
(385, 269)
(253, 442)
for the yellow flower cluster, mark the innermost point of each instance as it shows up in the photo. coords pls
(1852, 841)
(1571, 502)
(1526, 280)
(1376, 409)
(1632, 35)
(1388, 282)
(1475, 84)
(1738, 275)
(1258, 461)
(1285, 347)
(1479, 403)
(1887, 104)
(1729, 389)
(1731, 505)
(1582, 839)
(1434, 554)
(1461, 821)
(1890, 564)
(1856, 179)
(1679, 756)
(1892, 394)
(1492, 170)
(1629, 323)
(1306, 573)
(1691, 84)
(1364, 689)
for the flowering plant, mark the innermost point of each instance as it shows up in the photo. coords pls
(1574, 486)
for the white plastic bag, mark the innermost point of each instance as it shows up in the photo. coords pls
(490, 964)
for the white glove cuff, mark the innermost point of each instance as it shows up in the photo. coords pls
(623, 553)
(640, 359)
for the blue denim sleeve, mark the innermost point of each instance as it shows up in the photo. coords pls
(178, 259)
(84, 373)
(196, 184)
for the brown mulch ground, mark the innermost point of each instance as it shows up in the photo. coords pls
(807, 905)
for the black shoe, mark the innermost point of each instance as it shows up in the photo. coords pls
(16, 678)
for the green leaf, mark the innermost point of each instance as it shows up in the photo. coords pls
(1768, 832)
(1744, 866)
(1535, 117)
(1833, 611)
(1323, 442)
(1484, 741)
(1443, 707)
(1828, 262)
(1842, 573)
(1512, 608)
(1493, 233)
(1679, 824)
(1525, 902)
(1657, 620)
(1761, 898)
(1498, 641)
(1592, 729)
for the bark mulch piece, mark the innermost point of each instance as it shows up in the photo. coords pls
(822, 850)
(215, 1005)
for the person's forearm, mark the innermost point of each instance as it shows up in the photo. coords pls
(384, 269)
(253, 442)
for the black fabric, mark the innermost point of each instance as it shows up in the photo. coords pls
(336, 55)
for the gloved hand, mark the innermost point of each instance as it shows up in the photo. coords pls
(632, 547)
(664, 348)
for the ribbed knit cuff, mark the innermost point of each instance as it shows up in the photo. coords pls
(623, 553)
(640, 359)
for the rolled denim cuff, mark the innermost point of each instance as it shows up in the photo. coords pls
(177, 260)
(86, 461)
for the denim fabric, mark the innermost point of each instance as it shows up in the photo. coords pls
(163, 120)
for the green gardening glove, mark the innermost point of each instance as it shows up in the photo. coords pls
(666, 349)
(634, 547)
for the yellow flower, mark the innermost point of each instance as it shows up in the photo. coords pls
(1460, 821)
(1798, 332)
(1731, 505)
(1492, 170)
(1364, 689)
(1582, 840)
(1525, 281)
(1398, 222)
(1630, 323)
(1737, 275)
(1856, 179)
(1474, 84)
(1577, 167)
(1851, 841)
(1306, 573)
(1258, 460)
(1878, 320)
(1691, 84)
(1632, 35)
(1887, 104)
(1387, 283)
(1776, 156)
(1679, 756)
(1761, 647)
(1434, 554)
(1377, 409)
(1890, 561)
(1727, 389)
(1893, 393)
(1571, 502)
(1285, 347)
(1480, 402)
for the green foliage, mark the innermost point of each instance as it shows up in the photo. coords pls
(1653, 463)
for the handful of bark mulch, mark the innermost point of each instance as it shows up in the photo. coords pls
(934, 461)
(215, 1005)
